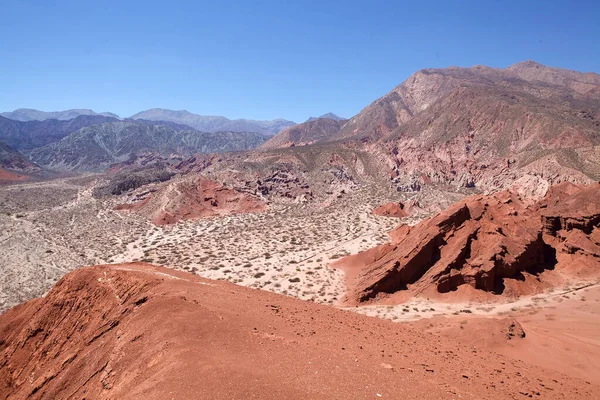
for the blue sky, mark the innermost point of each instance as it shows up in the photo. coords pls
(268, 59)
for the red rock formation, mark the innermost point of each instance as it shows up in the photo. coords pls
(482, 241)
(192, 199)
(391, 210)
(135, 331)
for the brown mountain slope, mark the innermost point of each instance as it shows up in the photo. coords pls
(315, 130)
(425, 87)
(584, 83)
(475, 133)
(486, 127)
(497, 243)
(137, 331)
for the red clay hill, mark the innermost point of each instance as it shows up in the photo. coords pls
(192, 199)
(136, 331)
(397, 210)
(498, 244)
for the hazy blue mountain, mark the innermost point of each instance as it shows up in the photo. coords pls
(94, 148)
(214, 123)
(27, 114)
(28, 135)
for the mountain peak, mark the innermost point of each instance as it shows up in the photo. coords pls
(329, 115)
(527, 64)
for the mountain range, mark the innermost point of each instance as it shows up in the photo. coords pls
(28, 114)
(477, 126)
(28, 135)
(198, 122)
(96, 147)
(214, 123)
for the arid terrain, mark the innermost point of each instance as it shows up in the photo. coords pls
(442, 243)
(138, 331)
(50, 228)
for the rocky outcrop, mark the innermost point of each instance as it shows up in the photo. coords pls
(481, 241)
(391, 210)
(189, 199)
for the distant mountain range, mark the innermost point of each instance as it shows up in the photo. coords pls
(214, 123)
(29, 135)
(182, 117)
(478, 126)
(94, 148)
(27, 114)
(328, 116)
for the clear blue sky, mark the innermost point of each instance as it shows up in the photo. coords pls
(267, 59)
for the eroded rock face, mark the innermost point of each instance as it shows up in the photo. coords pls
(482, 240)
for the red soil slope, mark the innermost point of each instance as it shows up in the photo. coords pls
(10, 176)
(137, 331)
(193, 199)
(495, 243)
(564, 336)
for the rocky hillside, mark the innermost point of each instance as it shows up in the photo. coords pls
(13, 160)
(96, 147)
(309, 132)
(328, 116)
(190, 199)
(529, 82)
(484, 127)
(214, 123)
(28, 135)
(27, 114)
(135, 331)
(500, 244)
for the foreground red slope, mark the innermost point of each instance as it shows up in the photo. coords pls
(137, 331)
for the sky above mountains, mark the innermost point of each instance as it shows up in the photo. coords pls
(268, 59)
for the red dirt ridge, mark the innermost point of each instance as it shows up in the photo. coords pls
(493, 243)
(136, 331)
